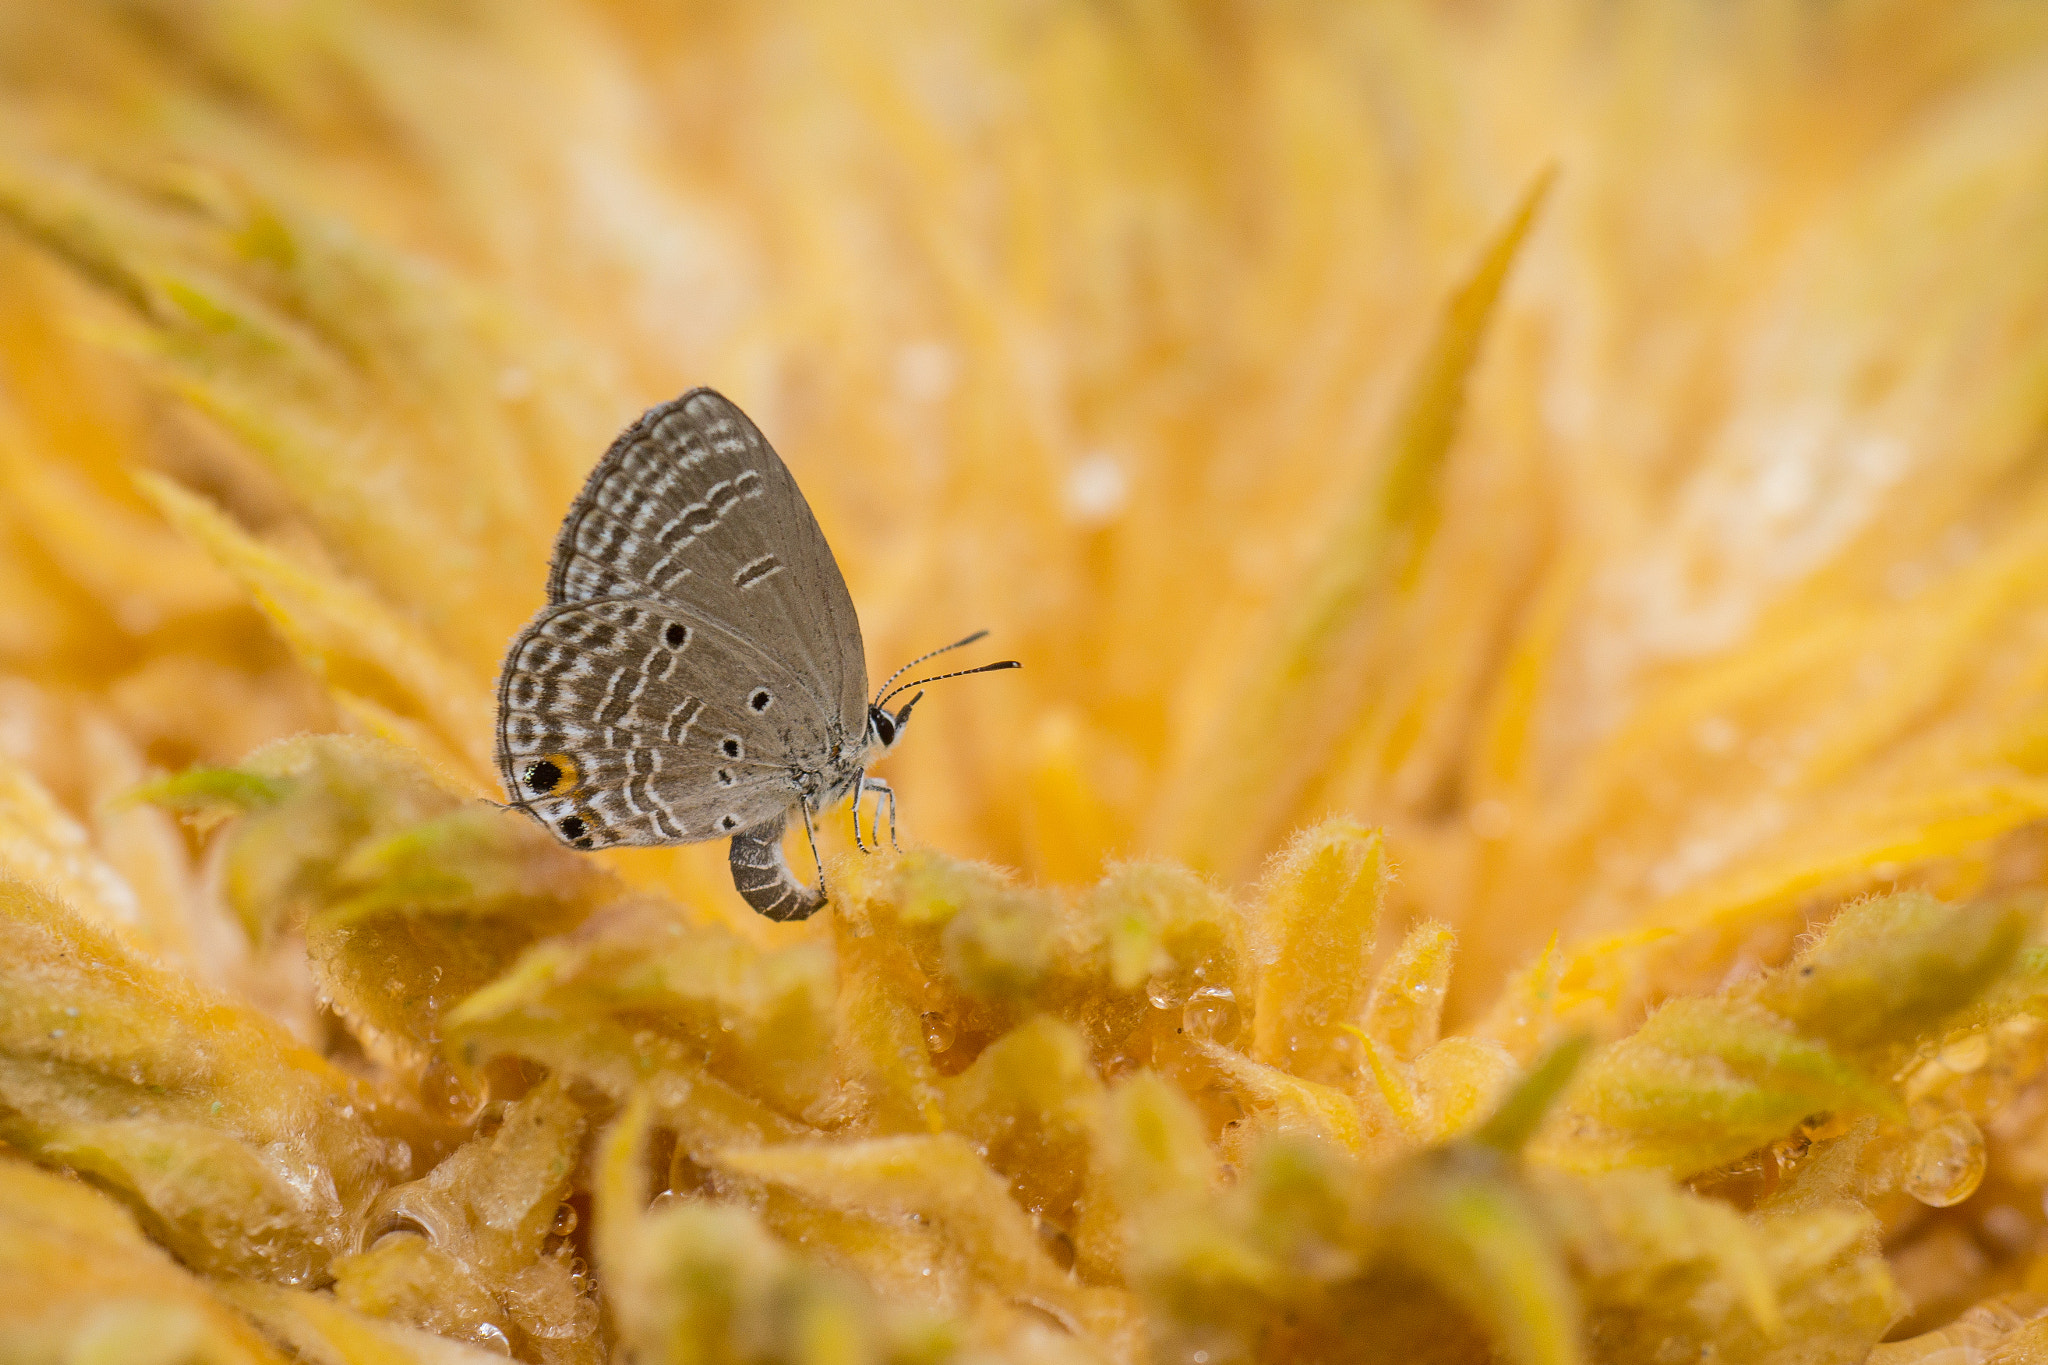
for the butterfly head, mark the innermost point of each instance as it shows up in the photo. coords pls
(885, 727)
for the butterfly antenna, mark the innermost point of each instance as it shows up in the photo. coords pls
(920, 682)
(942, 649)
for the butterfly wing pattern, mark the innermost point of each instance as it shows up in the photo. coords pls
(698, 671)
(644, 710)
(692, 504)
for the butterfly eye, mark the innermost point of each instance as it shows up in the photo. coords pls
(885, 727)
(556, 772)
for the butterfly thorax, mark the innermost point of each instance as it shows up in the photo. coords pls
(846, 762)
(835, 781)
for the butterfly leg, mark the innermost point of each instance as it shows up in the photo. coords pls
(883, 791)
(812, 835)
(860, 789)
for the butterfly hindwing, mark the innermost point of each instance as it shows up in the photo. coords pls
(691, 504)
(629, 721)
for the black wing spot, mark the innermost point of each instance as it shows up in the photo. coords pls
(725, 777)
(544, 776)
(762, 699)
(572, 826)
(733, 748)
(728, 822)
(677, 635)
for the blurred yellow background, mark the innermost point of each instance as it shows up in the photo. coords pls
(1094, 325)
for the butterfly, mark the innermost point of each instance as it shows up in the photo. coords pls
(698, 671)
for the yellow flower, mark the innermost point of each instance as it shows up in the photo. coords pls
(1519, 835)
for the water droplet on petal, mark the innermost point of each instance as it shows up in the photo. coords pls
(492, 1338)
(939, 1033)
(1166, 992)
(1212, 1015)
(442, 1089)
(565, 1220)
(1946, 1162)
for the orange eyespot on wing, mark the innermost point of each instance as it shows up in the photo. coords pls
(551, 775)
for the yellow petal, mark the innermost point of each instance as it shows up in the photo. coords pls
(80, 1283)
(249, 1153)
(1321, 913)
(1406, 1008)
(937, 1178)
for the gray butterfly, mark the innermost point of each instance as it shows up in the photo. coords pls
(698, 671)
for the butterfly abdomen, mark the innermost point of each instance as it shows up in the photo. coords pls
(762, 876)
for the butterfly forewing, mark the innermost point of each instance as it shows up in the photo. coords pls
(631, 721)
(691, 504)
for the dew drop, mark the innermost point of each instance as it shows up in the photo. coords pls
(1200, 1347)
(1166, 992)
(565, 1220)
(1212, 1015)
(492, 1338)
(939, 1033)
(392, 1236)
(1946, 1162)
(441, 1088)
